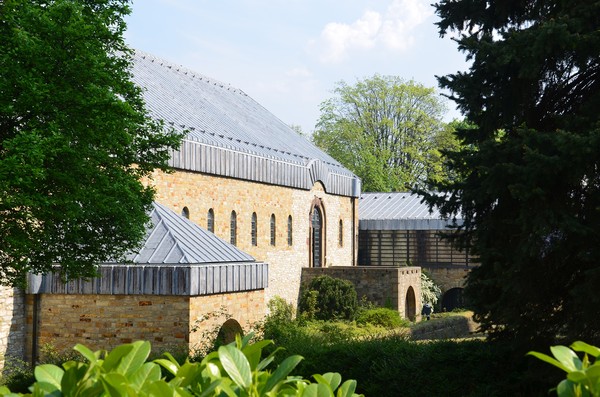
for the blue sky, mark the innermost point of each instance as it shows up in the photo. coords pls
(288, 54)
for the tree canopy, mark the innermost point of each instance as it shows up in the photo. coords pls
(529, 186)
(75, 138)
(386, 130)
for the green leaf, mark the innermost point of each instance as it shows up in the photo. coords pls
(114, 384)
(147, 373)
(577, 376)
(133, 360)
(112, 360)
(347, 389)
(585, 348)
(253, 352)
(87, 353)
(566, 388)
(317, 390)
(567, 357)
(549, 360)
(236, 365)
(160, 388)
(50, 374)
(282, 371)
(333, 379)
(168, 365)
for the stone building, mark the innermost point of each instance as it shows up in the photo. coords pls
(265, 209)
(249, 178)
(398, 229)
(181, 273)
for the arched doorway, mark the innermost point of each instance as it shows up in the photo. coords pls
(316, 246)
(228, 331)
(410, 304)
(452, 299)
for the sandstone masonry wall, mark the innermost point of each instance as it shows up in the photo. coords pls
(384, 286)
(105, 321)
(12, 324)
(201, 192)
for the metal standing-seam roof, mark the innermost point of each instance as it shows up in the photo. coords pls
(230, 134)
(398, 211)
(173, 239)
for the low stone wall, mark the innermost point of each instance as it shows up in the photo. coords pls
(396, 287)
(105, 321)
(12, 324)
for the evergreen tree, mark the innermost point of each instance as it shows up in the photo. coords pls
(529, 172)
(75, 139)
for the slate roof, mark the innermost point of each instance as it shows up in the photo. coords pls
(217, 115)
(398, 211)
(173, 239)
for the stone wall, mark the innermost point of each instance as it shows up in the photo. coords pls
(448, 277)
(201, 192)
(105, 321)
(395, 287)
(12, 324)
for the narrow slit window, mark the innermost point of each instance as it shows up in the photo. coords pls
(233, 228)
(289, 231)
(341, 234)
(210, 221)
(254, 228)
(273, 229)
(185, 212)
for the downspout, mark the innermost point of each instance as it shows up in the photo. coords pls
(354, 231)
(37, 298)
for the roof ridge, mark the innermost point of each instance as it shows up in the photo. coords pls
(189, 72)
(177, 243)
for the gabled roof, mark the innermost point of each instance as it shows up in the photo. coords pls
(398, 211)
(173, 239)
(228, 133)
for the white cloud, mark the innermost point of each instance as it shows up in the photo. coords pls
(299, 72)
(392, 30)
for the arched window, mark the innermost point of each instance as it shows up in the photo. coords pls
(290, 238)
(254, 230)
(317, 242)
(185, 213)
(210, 221)
(341, 234)
(273, 229)
(233, 231)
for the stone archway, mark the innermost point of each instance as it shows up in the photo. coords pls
(410, 304)
(228, 331)
(452, 299)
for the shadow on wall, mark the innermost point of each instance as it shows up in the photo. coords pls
(13, 324)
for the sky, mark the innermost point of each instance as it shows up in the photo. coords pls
(288, 55)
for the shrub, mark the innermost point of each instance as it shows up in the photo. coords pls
(381, 316)
(332, 298)
(234, 370)
(583, 376)
(430, 291)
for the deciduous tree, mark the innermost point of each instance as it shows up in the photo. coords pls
(386, 130)
(529, 190)
(75, 139)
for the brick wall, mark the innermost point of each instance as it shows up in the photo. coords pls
(200, 192)
(448, 277)
(12, 324)
(384, 286)
(105, 321)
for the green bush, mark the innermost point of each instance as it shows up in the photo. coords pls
(381, 316)
(327, 298)
(583, 376)
(234, 370)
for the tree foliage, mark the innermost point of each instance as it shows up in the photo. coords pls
(75, 139)
(386, 130)
(529, 172)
